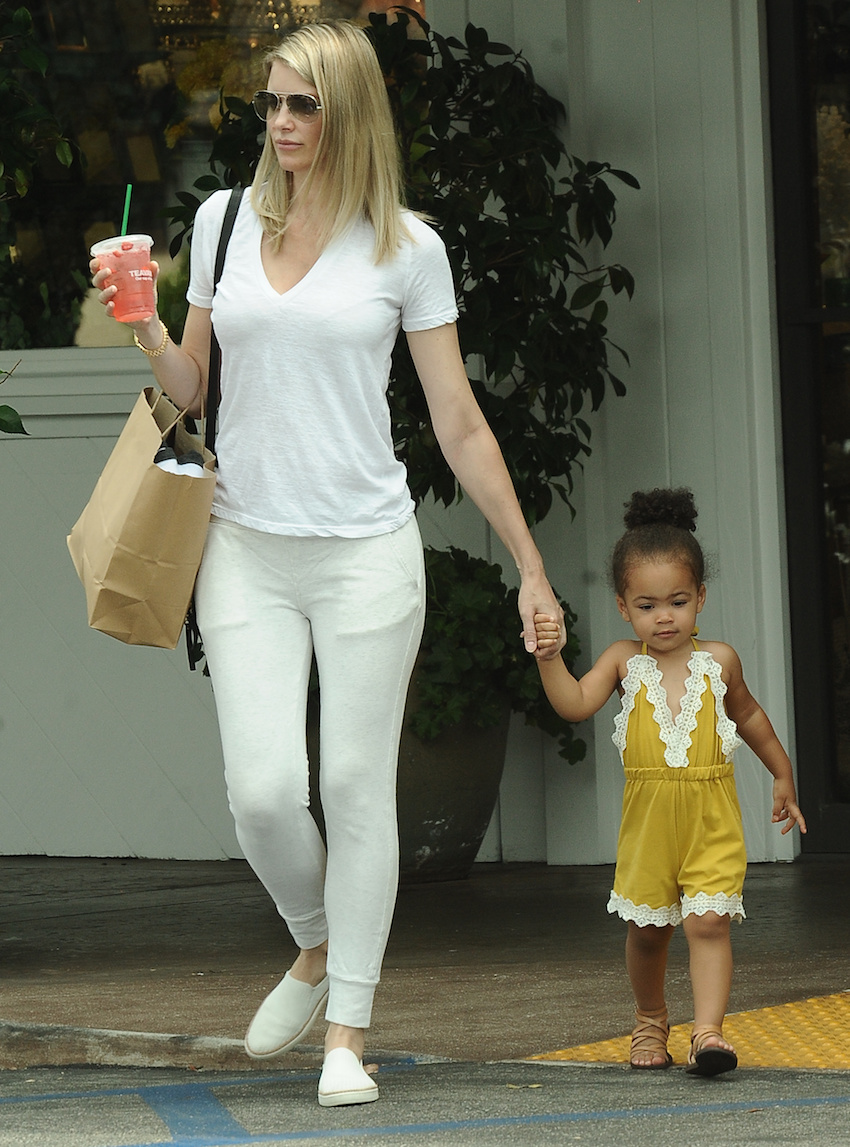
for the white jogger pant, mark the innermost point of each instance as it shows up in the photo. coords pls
(265, 603)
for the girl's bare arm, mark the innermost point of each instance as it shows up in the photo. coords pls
(572, 698)
(755, 729)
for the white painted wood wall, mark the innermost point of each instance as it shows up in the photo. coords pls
(106, 750)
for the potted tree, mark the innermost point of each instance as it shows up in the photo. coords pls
(39, 309)
(27, 132)
(519, 215)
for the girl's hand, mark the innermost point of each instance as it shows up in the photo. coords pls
(547, 630)
(785, 807)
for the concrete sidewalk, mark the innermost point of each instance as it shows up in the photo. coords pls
(516, 961)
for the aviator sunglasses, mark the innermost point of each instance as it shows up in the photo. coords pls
(300, 106)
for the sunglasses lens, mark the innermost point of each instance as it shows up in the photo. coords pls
(264, 104)
(303, 107)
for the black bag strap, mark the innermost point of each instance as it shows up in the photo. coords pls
(214, 377)
(194, 644)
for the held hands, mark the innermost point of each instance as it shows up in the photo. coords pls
(548, 635)
(785, 806)
(549, 632)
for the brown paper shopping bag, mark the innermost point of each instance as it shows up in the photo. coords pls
(138, 543)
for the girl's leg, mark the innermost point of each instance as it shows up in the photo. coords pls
(710, 947)
(646, 964)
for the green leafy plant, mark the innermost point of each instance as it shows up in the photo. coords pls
(524, 223)
(33, 311)
(472, 664)
(10, 420)
(171, 287)
(518, 215)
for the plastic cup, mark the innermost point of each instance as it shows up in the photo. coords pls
(128, 258)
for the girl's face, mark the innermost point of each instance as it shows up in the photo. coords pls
(661, 602)
(295, 142)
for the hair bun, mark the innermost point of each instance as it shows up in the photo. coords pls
(670, 507)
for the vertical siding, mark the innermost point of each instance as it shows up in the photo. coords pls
(105, 750)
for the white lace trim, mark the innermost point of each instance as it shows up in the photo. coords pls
(642, 914)
(642, 669)
(727, 730)
(720, 903)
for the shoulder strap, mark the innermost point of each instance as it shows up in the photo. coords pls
(214, 377)
(194, 644)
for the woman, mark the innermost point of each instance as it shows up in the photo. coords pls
(313, 545)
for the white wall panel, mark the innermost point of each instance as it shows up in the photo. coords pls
(105, 750)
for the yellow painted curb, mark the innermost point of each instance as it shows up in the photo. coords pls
(813, 1033)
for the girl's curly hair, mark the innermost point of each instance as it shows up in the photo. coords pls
(660, 526)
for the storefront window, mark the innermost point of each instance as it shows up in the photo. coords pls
(135, 85)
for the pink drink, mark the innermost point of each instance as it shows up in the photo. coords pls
(128, 257)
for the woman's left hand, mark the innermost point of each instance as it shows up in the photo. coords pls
(536, 596)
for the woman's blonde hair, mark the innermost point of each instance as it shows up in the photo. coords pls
(357, 169)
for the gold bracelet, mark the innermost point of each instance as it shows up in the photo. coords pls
(160, 349)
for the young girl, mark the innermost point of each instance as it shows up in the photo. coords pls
(684, 710)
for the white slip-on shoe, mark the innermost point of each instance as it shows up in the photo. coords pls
(284, 1017)
(343, 1080)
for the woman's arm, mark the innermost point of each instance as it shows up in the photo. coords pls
(472, 452)
(756, 731)
(181, 371)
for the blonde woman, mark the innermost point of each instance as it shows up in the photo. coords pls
(313, 546)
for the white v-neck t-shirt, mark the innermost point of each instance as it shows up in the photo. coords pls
(304, 441)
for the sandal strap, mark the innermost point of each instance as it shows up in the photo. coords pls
(702, 1030)
(650, 1032)
(701, 1033)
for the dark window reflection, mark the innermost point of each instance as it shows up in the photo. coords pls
(135, 84)
(829, 56)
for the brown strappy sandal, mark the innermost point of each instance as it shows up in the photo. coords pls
(709, 1059)
(650, 1035)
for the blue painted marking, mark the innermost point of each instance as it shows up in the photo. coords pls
(140, 1090)
(192, 1113)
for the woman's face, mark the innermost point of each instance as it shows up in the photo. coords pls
(295, 141)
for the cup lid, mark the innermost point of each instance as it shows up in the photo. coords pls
(117, 240)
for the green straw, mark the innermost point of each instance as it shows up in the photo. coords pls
(126, 208)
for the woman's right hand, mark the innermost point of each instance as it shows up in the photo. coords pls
(106, 297)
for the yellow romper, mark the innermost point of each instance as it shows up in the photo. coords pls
(681, 845)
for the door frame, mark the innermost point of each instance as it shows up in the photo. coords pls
(800, 318)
